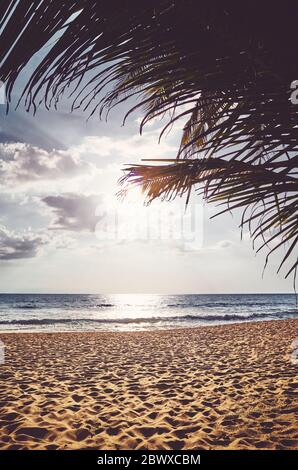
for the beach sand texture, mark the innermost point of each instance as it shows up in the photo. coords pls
(219, 387)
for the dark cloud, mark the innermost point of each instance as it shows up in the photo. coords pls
(19, 246)
(22, 163)
(75, 212)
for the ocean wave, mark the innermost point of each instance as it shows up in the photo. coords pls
(65, 304)
(158, 319)
(28, 306)
(105, 305)
(224, 304)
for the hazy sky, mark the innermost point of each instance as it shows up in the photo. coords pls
(58, 207)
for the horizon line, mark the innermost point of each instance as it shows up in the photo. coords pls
(146, 293)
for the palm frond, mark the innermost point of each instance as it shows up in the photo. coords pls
(232, 65)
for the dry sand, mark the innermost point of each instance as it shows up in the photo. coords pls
(221, 387)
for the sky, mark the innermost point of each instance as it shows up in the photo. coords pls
(64, 230)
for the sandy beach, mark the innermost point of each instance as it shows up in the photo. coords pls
(219, 387)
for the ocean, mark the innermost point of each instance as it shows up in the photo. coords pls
(127, 312)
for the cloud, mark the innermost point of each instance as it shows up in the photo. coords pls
(22, 163)
(202, 248)
(19, 246)
(125, 149)
(74, 212)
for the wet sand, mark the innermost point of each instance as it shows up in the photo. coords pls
(219, 387)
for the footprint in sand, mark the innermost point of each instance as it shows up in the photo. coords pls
(82, 434)
(32, 432)
(77, 398)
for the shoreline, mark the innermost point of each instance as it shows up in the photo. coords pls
(174, 328)
(218, 387)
